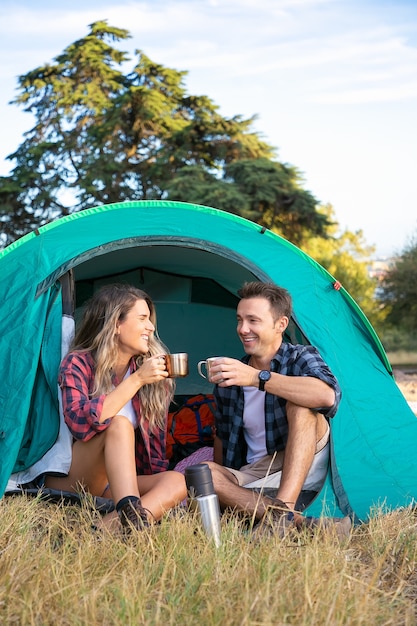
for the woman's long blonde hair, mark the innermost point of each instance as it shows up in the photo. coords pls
(97, 335)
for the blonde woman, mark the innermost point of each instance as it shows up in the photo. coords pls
(115, 394)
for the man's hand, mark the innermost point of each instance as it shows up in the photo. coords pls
(226, 372)
(305, 391)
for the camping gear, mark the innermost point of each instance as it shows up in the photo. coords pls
(177, 364)
(201, 495)
(190, 427)
(207, 364)
(192, 260)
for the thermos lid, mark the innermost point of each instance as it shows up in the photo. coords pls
(199, 480)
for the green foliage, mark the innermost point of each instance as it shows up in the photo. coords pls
(346, 257)
(397, 339)
(276, 198)
(103, 136)
(15, 219)
(197, 185)
(399, 289)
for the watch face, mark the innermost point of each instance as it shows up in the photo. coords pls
(264, 375)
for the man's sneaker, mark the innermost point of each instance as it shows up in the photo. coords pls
(343, 526)
(277, 520)
(340, 526)
(133, 516)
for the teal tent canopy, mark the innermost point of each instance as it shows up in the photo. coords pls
(192, 260)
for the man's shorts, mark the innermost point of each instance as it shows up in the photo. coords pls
(267, 471)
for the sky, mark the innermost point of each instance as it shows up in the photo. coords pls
(333, 84)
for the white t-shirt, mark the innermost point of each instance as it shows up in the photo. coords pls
(127, 410)
(254, 423)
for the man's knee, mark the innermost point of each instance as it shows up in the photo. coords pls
(306, 419)
(220, 474)
(215, 469)
(295, 411)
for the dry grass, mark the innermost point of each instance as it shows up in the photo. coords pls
(55, 570)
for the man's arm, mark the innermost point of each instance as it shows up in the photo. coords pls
(304, 390)
(218, 450)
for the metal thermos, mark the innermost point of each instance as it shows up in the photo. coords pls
(200, 488)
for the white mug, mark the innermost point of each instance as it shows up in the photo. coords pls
(207, 363)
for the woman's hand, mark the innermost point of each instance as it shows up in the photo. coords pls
(152, 370)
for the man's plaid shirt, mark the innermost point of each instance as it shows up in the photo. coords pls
(82, 413)
(290, 360)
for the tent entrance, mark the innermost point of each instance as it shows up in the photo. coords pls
(194, 286)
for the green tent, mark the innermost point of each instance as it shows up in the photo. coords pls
(192, 260)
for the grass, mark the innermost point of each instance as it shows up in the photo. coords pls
(54, 569)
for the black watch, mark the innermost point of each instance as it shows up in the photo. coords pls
(263, 376)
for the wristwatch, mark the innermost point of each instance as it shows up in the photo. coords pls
(263, 376)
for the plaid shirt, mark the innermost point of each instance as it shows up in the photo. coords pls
(82, 413)
(290, 360)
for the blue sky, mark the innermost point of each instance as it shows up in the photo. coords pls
(333, 83)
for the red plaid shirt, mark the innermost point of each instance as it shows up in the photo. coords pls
(82, 413)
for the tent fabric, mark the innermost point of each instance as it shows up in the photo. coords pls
(192, 259)
(57, 458)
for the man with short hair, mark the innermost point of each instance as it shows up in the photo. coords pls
(273, 407)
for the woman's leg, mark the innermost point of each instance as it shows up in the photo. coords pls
(160, 492)
(109, 457)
